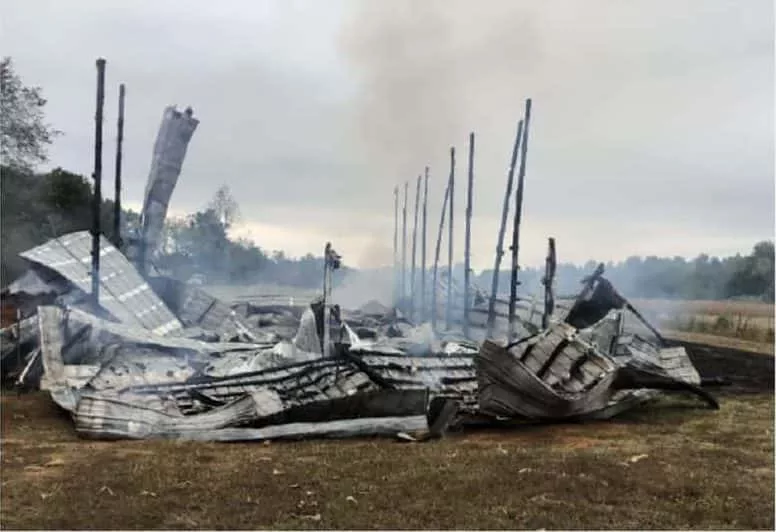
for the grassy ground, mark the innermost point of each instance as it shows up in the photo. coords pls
(720, 341)
(671, 464)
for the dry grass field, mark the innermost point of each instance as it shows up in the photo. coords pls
(743, 320)
(672, 464)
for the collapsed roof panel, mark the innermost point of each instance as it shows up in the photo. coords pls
(123, 292)
(126, 380)
(196, 308)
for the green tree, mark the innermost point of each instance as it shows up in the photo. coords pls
(753, 275)
(24, 134)
(38, 207)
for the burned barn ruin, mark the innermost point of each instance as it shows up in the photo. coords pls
(132, 354)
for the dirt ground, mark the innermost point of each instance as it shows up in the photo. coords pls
(671, 464)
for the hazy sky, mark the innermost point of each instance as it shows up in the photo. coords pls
(652, 127)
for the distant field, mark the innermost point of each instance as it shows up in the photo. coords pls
(748, 308)
(748, 321)
(266, 293)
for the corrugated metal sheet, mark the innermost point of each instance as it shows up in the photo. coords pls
(126, 382)
(198, 309)
(123, 292)
(170, 147)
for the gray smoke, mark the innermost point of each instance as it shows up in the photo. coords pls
(621, 90)
(425, 69)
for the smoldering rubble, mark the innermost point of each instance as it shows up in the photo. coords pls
(163, 359)
(154, 357)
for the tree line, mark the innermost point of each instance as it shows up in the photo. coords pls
(736, 277)
(200, 245)
(36, 207)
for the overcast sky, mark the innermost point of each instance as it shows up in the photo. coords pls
(652, 130)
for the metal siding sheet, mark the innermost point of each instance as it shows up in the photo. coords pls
(123, 292)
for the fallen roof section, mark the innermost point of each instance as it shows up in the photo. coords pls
(123, 292)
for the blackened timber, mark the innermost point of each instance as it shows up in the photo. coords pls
(117, 241)
(576, 366)
(526, 351)
(502, 229)
(548, 281)
(404, 249)
(423, 249)
(97, 195)
(449, 307)
(517, 219)
(395, 246)
(434, 277)
(467, 241)
(414, 250)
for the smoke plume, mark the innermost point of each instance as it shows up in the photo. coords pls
(429, 71)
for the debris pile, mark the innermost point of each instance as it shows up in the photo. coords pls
(135, 355)
(163, 359)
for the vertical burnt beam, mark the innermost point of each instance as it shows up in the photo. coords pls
(414, 250)
(423, 314)
(518, 218)
(404, 250)
(18, 338)
(449, 307)
(97, 196)
(468, 240)
(502, 229)
(549, 279)
(395, 246)
(325, 337)
(435, 272)
(117, 186)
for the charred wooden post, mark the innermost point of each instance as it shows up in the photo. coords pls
(449, 307)
(518, 215)
(18, 337)
(404, 251)
(434, 276)
(332, 262)
(550, 265)
(467, 241)
(414, 250)
(502, 228)
(423, 314)
(117, 187)
(395, 246)
(97, 196)
(647, 324)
